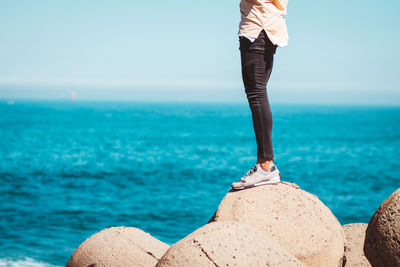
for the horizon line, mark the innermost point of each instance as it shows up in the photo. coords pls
(13, 101)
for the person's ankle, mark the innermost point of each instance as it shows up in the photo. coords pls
(265, 164)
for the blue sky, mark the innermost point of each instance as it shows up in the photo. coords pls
(339, 51)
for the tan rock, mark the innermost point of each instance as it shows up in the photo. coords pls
(227, 244)
(118, 246)
(382, 240)
(355, 236)
(297, 220)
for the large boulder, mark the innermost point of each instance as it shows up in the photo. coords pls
(382, 240)
(227, 244)
(355, 237)
(297, 220)
(118, 246)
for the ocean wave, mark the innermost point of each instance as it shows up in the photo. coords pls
(23, 262)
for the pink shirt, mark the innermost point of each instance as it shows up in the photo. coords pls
(257, 15)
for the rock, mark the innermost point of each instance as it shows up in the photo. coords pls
(297, 220)
(118, 246)
(355, 237)
(382, 239)
(227, 244)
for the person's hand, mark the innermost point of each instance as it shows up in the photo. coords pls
(277, 4)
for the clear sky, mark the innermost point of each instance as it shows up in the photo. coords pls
(339, 51)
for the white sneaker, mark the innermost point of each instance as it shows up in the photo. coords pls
(257, 176)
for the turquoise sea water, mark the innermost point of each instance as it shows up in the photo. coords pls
(71, 169)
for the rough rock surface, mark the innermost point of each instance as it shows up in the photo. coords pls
(297, 220)
(355, 236)
(227, 244)
(382, 240)
(118, 246)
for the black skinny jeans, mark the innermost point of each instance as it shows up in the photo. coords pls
(257, 60)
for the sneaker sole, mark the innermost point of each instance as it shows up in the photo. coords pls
(274, 180)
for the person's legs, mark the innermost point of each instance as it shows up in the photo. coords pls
(257, 60)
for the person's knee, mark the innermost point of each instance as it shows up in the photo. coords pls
(254, 93)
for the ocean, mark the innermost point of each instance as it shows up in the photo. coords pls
(69, 169)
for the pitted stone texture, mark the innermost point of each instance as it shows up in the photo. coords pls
(118, 246)
(355, 237)
(297, 220)
(227, 244)
(382, 240)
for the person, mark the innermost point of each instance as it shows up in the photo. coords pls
(261, 30)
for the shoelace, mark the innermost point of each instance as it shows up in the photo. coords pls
(250, 172)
